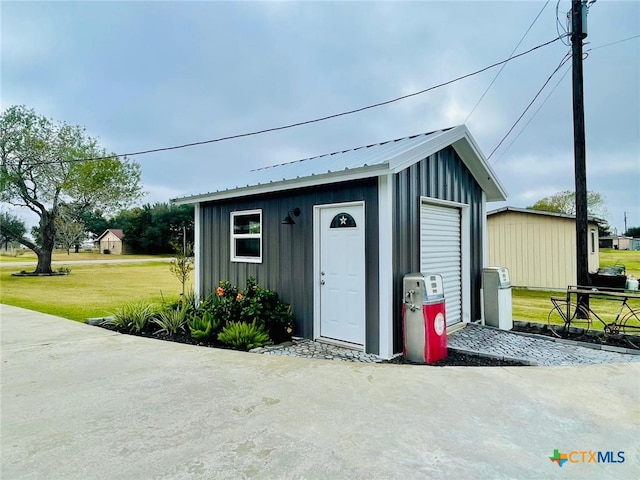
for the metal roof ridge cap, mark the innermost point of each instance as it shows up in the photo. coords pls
(353, 149)
(430, 146)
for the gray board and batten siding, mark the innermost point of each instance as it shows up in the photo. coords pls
(393, 180)
(441, 176)
(287, 250)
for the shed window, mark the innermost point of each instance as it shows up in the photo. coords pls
(343, 220)
(593, 241)
(246, 236)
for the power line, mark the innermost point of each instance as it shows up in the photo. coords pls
(562, 62)
(532, 116)
(551, 92)
(307, 122)
(560, 26)
(613, 43)
(504, 64)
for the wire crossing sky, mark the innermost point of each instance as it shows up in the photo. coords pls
(166, 73)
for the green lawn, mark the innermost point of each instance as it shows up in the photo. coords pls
(535, 305)
(629, 258)
(90, 290)
(97, 290)
(29, 256)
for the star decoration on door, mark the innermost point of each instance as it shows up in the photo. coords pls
(343, 220)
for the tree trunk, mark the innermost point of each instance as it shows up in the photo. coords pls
(45, 252)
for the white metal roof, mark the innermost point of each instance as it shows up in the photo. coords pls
(363, 162)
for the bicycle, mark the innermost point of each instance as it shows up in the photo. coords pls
(578, 315)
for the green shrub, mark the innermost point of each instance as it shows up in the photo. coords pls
(132, 317)
(189, 300)
(223, 303)
(203, 325)
(244, 336)
(265, 307)
(254, 303)
(171, 321)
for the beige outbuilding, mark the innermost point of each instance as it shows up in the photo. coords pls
(538, 248)
(111, 241)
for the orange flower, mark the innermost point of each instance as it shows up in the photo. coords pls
(220, 291)
(239, 297)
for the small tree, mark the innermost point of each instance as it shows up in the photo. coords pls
(12, 227)
(69, 229)
(182, 264)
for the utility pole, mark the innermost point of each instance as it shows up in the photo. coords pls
(578, 13)
(625, 224)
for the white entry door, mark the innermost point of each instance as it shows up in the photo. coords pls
(342, 273)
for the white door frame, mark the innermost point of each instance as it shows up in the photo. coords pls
(316, 264)
(465, 246)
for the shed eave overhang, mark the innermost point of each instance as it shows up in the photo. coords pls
(470, 153)
(288, 184)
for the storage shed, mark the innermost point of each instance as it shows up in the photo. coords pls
(335, 234)
(618, 242)
(538, 248)
(111, 241)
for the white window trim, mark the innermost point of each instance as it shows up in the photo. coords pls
(233, 236)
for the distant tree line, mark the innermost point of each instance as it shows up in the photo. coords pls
(153, 229)
(150, 229)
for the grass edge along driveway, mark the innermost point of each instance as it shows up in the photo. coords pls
(90, 290)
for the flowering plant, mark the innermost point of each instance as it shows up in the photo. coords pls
(253, 304)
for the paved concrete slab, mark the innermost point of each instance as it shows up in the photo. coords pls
(79, 402)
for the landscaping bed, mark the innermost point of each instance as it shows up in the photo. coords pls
(579, 335)
(231, 318)
(149, 331)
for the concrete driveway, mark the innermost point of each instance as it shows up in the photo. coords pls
(79, 402)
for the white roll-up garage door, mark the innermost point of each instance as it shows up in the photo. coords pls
(441, 252)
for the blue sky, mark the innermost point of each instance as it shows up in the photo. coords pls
(142, 75)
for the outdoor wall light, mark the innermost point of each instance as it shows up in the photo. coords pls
(288, 220)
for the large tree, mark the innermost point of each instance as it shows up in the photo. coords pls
(565, 202)
(43, 164)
